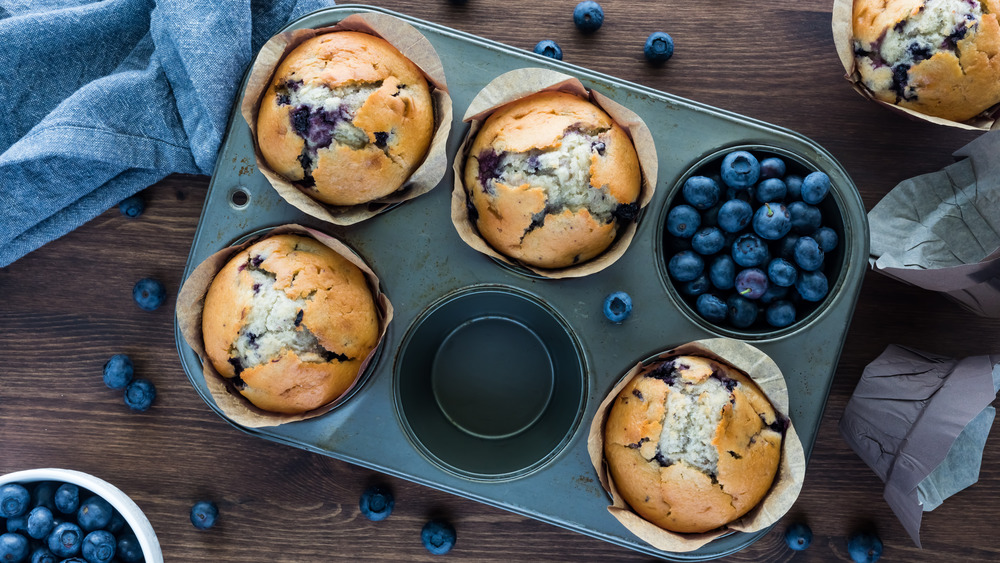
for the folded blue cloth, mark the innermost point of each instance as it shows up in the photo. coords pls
(100, 99)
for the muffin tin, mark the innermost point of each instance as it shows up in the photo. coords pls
(488, 378)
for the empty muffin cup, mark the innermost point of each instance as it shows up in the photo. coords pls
(489, 383)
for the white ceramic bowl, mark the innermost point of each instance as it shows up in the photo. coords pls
(119, 500)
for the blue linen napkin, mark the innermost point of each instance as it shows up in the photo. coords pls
(100, 99)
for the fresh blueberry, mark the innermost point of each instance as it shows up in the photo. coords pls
(741, 312)
(772, 221)
(735, 215)
(864, 547)
(13, 547)
(805, 218)
(808, 256)
(779, 315)
(116, 524)
(771, 189)
(549, 48)
(812, 286)
(129, 550)
(685, 266)
(749, 251)
(722, 272)
(376, 502)
(794, 184)
(711, 307)
(588, 16)
(772, 167)
(617, 307)
(149, 294)
(701, 192)
(15, 500)
(751, 283)
(798, 536)
(786, 246)
(67, 498)
(40, 522)
(659, 47)
(204, 514)
(132, 206)
(99, 547)
(42, 554)
(683, 221)
(708, 241)
(826, 238)
(139, 394)
(94, 514)
(696, 287)
(773, 293)
(815, 186)
(44, 495)
(781, 272)
(118, 371)
(438, 537)
(18, 524)
(65, 540)
(740, 170)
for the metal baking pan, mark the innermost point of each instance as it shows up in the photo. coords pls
(454, 305)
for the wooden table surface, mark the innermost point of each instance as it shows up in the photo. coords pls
(66, 308)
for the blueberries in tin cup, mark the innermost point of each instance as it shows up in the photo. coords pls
(701, 192)
(67, 498)
(780, 314)
(42, 554)
(128, 549)
(13, 547)
(826, 238)
(808, 256)
(14, 500)
(771, 189)
(815, 186)
(139, 395)
(740, 169)
(711, 307)
(749, 251)
(683, 221)
(99, 546)
(864, 547)
(782, 273)
(772, 221)
(722, 272)
(805, 218)
(708, 241)
(617, 306)
(735, 215)
(549, 48)
(685, 266)
(118, 371)
(659, 47)
(65, 540)
(772, 167)
(751, 283)
(588, 16)
(40, 522)
(798, 537)
(149, 294)
(741, 312)
(204, 514)
(132, 206)
(94, 514)
(438, 537)
(376, 503)
(812, 286)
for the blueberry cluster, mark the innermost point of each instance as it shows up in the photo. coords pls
(46, 522)
(747, 243)
(119, 374)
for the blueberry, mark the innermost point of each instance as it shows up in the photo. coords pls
(94, 514)
(204, 514)
(772, 221)
(708, 241)
(735, 215)
(772, 167)
(781, 272)
(740, 170)
(722, 272)
(43, 495)
(617, 306)
(696, 287)
(659, 47)
(711, 307)
(808, 256)
(786, 246)
(139, 394)
(67, 498)
(116, 524)
(741, 312)
(805, 218)
(815, 186)
(43, 555)
(149, 294)
(132, 206)
(40, 522)
(438, 537)
(683, 221)
(549, 48)
(18, 524)
(99, 547)
(118, 371)
(751, 283)
(826, 238)
(812, 286)
(771, 189)
(779, 315)
(685, 266)
(14, 500)
(65, 539)
(13, 547)
(129, 550)
(749, 251)
(376, 503)
(701, 192)
(864, 547)
(588, 16)
(773, 293)
(798, 536)
(794, 184)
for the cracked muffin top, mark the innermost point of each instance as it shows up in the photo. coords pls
(550, 179)
(936, 57)
(692, 444)
(289, 322)
(347, 118)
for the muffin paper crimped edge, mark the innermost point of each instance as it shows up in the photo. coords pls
(414, 46)
(512, 86)
(190, 304)
(787, 483)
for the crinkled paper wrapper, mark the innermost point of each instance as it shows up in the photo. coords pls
(413, 46)
(941, 231)
(520, 83)
(843, 38)
(791, 469)
(191, 302)
(920, 421)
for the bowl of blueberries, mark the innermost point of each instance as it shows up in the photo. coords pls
(752, 242)
(65, 516)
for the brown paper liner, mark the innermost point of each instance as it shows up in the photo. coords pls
(414, 46)
(191, 301)
(791, 469)
(843, 39)
(520, 83)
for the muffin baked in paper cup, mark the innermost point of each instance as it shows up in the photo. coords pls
(520, 83)
(414, 46)
(191, 301)
(791, 468)
(843, 39)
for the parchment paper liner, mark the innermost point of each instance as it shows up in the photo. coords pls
(843, 38)
(791, 469)
(521, 83)
(414, 46)
(191, 302)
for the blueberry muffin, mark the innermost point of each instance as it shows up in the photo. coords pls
(288, 322)
(936, 57)
(550, 180)
(692, 444)
(347, 118)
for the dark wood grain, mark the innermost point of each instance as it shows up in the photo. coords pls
(67, 307)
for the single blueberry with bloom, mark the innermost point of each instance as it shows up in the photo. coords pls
(204, 514)
(588, 16)
(549, 48)
(659, 47)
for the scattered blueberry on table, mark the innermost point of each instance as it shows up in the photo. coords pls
(204, 514)
(132, 206)
(118, 371)
(617, 307)
(549, 48)
(139, 394)
(149, 294)
(798, 536)
(864, 547)
(438, 537)
(376, 503)
(659, 47)
(588, 16)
